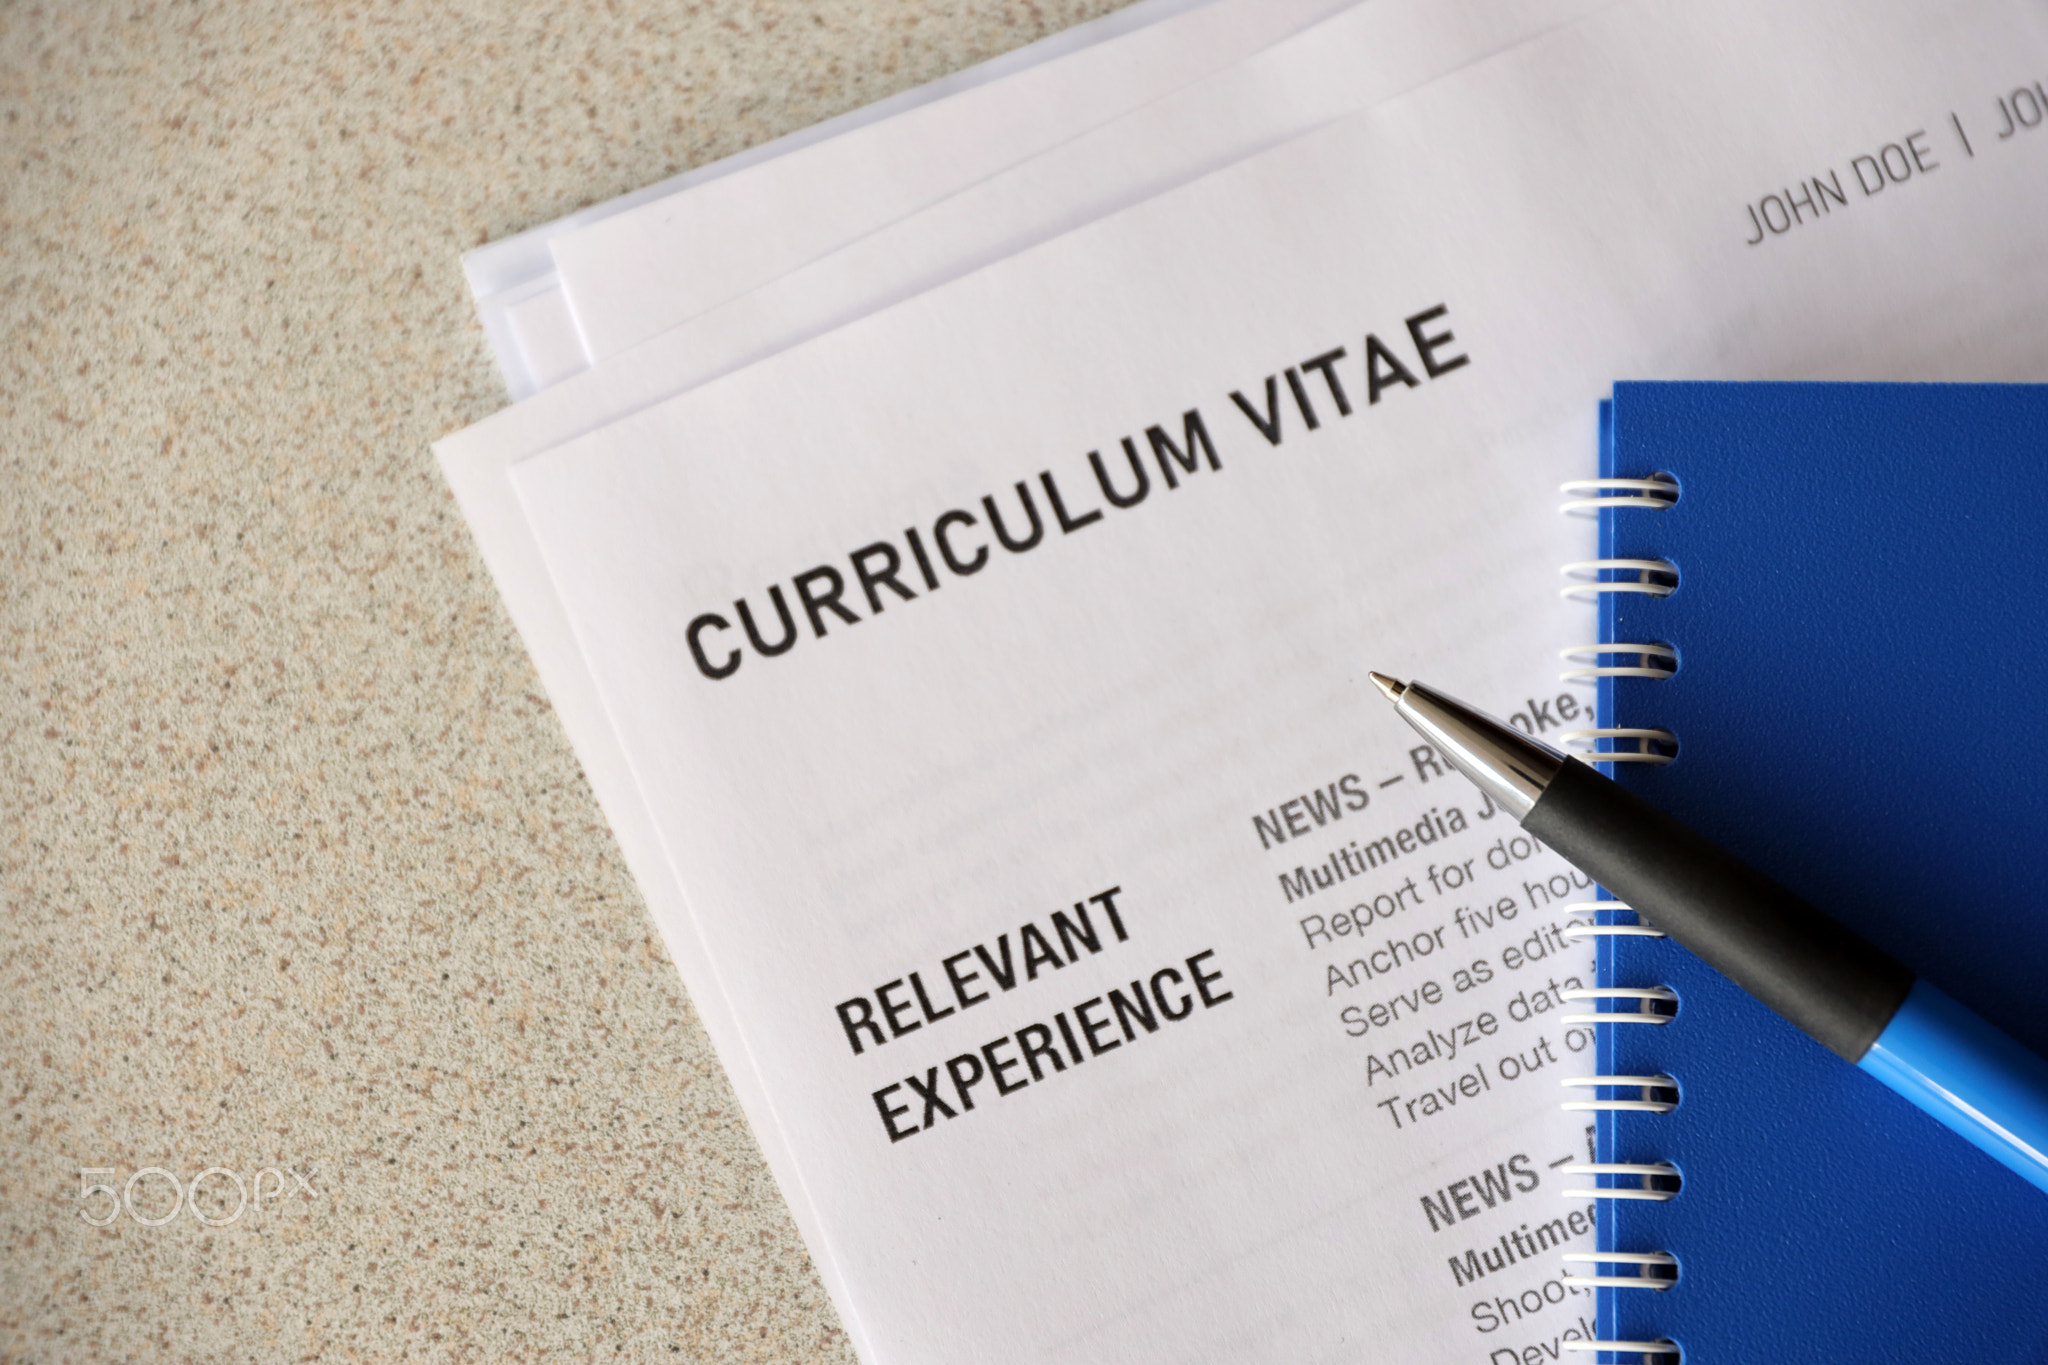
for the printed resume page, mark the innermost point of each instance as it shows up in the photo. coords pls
(1368, 53)
(1127, 981)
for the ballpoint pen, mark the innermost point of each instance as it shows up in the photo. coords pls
(1840, 990)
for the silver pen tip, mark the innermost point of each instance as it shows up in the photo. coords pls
(1393, 688)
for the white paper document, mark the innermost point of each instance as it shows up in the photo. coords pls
(1372, 52)
(1364, 54)
(520, 299)
(687, 252)
(1125, 981)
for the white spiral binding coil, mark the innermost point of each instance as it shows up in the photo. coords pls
(1653, 578)
(1644, 1171)
(1654, 1182)
(1652, 746)
(1665, 656)
(1643, 1350)
(1585, 497)
(1647, 1088)
(1580, 922)
(1644, 1261)
(1644, 996)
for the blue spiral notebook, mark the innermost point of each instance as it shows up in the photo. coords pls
(1860, 708)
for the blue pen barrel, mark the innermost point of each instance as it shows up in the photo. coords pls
(1970, 1076)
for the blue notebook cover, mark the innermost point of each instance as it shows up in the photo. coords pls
(1861, 710)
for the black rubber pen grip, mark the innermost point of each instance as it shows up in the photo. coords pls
(1836, 987)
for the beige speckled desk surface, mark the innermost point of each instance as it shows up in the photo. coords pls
(300, 874)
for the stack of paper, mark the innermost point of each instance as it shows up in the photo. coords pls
(956, 544)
